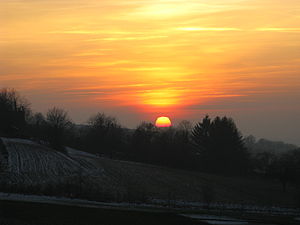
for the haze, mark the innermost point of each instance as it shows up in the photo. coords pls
(137, 60)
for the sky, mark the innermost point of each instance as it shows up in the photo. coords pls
(140, 59)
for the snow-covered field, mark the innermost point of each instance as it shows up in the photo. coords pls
(26, 156)
(29, 157)
(30, 164)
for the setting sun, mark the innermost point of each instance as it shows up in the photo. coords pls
(163, 121)
(152, 98)
(134, 59)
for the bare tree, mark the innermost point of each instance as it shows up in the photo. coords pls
(185, 125)
(105, 134)
(58, 122)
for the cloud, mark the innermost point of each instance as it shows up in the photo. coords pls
(278, 29)
(131, 38)
(75, 32)
(208, 29)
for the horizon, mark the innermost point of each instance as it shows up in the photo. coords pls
(138, 60)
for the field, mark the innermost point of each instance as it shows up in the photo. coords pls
(32, 166)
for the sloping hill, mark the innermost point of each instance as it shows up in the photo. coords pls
(31, 167)
(32, 160)
(29, 157)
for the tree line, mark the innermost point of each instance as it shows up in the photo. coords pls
(213, 145)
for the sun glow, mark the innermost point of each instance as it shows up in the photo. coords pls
(178, 58)
(163, 121)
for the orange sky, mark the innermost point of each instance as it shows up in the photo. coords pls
(138, 59)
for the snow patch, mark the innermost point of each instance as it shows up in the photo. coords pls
(70, 201)
(218, 222)
(233, 207)
(72, 151)
(212, 219)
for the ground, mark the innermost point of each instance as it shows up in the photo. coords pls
(32, 166)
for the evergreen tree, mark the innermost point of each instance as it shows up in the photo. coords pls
(220, 146)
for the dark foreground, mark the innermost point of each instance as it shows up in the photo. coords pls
(27, 213)
(35, 213)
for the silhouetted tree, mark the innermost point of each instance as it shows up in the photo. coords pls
(36, 127)
(220, 146)
(104, 134)
(262, 163)
(142, 142)
(58, 122)
(13, 112)
(163, 146)
(287, 168)
(185, 126)
(184, 152)
(202, 141)
(172, 147)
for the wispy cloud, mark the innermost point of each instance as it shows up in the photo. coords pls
(130, 38)
(151, 52)
(208, 29)
(74, 32)
(279, 29)
(94, 31)
(148, 69)
(109, 63)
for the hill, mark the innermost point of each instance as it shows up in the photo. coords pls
(264, 145)
(30, 167)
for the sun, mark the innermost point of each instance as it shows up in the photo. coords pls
(163, 121)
